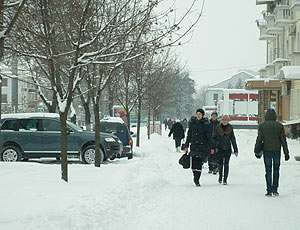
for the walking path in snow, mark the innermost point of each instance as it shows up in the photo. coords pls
(151, 191)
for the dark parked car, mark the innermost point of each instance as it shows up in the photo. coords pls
(37, 135)
(118, 127)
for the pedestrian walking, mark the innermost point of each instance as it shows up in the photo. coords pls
(170, 123)
(224, 140)
(199, 140)
(165, 123)
(184, 124)
(178, 134)
(270, 138)
(213, 158)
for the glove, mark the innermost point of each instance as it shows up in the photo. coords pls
(186, 150)
(257, 156)
(236, 154)
(212, 151)
(286, 157)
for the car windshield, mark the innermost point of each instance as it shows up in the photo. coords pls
(74, 127)
(112, 127)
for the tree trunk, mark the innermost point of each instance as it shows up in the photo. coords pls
(139, 111)
(97, 135)
(111, 101)
(64, 135)
(87, 113)
(128, 118)
(148, 125)
(153, 122)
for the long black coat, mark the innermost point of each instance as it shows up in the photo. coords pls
(213, 126)
(199, 137)
(177, 131)
(225, 138)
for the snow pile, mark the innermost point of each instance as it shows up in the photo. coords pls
(151, 191)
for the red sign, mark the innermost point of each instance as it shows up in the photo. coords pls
(239, 96)
(254, 96)
(235, 118)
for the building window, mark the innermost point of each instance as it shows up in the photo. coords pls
(216, 96)
(292, 104)
(298, 102)
(4, 98)
(4, 81)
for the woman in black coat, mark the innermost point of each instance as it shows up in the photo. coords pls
(199, 139)
(225, 139)
(178, 134)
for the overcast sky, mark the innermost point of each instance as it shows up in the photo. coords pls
(226, 38)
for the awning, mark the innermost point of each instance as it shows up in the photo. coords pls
(260, 2)
(292, 122)
(263, 84)
(288, 73)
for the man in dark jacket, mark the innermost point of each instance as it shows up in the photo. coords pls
(270, 138)
(199, 139)
(213, 159)
(178, 134)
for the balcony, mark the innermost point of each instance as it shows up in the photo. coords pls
(295, 5)
(270, 70)
(271, 28)
(281, 62)
(295, 57)
(283, 16)
(262, 73)
(262, 25)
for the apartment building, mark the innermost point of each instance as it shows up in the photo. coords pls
(279, 83)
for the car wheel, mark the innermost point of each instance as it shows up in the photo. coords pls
(11, 153)
(88, 155)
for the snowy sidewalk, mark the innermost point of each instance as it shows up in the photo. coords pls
(150, 191)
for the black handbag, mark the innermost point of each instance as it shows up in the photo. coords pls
(182, 146)
(185, 161)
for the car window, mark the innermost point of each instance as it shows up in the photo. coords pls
(50, 125)
(10, 125)
(29, 124)
(112, 127)
(74, 127)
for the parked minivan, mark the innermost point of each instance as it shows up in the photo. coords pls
(37, 135)
(118, 127)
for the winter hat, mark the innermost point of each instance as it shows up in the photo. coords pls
(200, 111)
(214, 112)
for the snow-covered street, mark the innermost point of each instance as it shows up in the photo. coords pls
(151, 191)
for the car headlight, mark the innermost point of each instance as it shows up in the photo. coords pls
(109, 139)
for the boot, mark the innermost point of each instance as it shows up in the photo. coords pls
(197, 175)
(220, 175)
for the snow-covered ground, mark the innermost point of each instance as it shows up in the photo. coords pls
(150, 191)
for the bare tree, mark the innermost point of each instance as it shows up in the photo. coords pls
(9, 13)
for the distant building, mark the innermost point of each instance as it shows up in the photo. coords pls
(215, 92)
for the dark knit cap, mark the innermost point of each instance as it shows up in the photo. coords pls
(214, 112)
(201, 111)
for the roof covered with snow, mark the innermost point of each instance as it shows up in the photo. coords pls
(29, 115)
(113, 119)
(289, 73)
